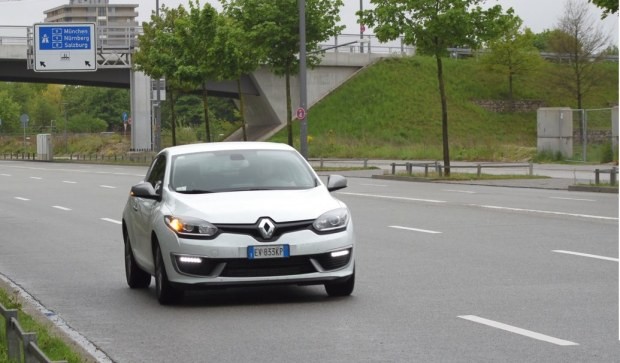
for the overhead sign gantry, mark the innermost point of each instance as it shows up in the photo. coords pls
(65, 47)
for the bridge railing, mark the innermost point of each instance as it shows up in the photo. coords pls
(115, 38)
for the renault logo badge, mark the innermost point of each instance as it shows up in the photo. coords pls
(266, 228)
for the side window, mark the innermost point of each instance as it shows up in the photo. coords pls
(156, 174)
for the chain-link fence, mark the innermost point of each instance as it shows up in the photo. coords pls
(592, 135)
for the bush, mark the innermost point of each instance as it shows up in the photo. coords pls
(607, 153)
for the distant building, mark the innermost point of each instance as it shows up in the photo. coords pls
(112, 20)
(100, 12)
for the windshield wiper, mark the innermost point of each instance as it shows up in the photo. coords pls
(195, 191)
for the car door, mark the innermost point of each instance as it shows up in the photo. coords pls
(143, 210)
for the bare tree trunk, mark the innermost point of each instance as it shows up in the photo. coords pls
(444, 115)
(205, 103)
(510, 94)
(242, 110)
(173, 118)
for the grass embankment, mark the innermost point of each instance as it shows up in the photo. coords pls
(392, 110)
(53, 346)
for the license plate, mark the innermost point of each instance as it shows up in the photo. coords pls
(279, 251)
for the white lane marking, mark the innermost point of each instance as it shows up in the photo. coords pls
(107, 186)
(545, 212)
(374, 185)
(459, 191)
(520, 331)
(415, 229)
(61, 208)
(36, 178)
(111, 220)
(20, 198)
(576, 199)
(391, 197)
(587, 255)
(5, 174)
(69, 182)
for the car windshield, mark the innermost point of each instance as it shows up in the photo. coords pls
(238, 170)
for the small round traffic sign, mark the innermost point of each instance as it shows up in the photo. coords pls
(301, 113)
(24, 118)
(362, 28)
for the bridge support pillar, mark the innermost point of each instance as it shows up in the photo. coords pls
(140, 88)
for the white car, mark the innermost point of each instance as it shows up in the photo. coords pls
(236, 214)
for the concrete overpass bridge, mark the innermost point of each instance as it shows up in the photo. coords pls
(264, 93)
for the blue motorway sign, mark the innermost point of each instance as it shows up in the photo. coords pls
(62, 47)
(63, 37)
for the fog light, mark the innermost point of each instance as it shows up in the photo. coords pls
(185, 259)
(340, 253)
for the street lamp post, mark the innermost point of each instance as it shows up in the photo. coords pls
(157, 138)
(362, 28)
(303, 91)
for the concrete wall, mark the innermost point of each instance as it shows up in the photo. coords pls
(269, 107)
(555, 130)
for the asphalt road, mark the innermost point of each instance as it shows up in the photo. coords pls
(445, 273)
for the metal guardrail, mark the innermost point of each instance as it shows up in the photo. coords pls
(323, 161)
(439, 168)
(21, 346)
(19, 156)
(612, 175)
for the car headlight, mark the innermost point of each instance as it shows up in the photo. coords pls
(332, 221)
(191, 227)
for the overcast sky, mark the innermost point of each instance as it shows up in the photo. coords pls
(536, 14)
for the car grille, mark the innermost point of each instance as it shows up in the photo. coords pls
(252, 229)
(295, 265)
(241, 267)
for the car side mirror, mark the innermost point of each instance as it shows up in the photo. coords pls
(144, 190)
(335, 182)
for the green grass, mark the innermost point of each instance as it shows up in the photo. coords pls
(392, 110)
(53, 346)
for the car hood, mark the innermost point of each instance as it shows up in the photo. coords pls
(248, 206)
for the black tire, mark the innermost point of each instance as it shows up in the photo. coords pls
(166, 293)
(341, 288)
(136, 277)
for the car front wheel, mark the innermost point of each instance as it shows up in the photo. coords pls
(166, 293)
(341, 288)
(136, 277)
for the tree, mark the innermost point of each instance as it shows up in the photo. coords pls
(236, 57)
(433, 26)
(583, 43)
(273, 28)
(161, 53)
(608, 6)
(513, 54)
(197, 34)
(9, 113)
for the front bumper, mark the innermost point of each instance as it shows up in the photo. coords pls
(224, 260)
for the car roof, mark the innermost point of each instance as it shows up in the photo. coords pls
(225, 146)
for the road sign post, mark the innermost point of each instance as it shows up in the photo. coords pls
(24, 119)
(62, 47)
